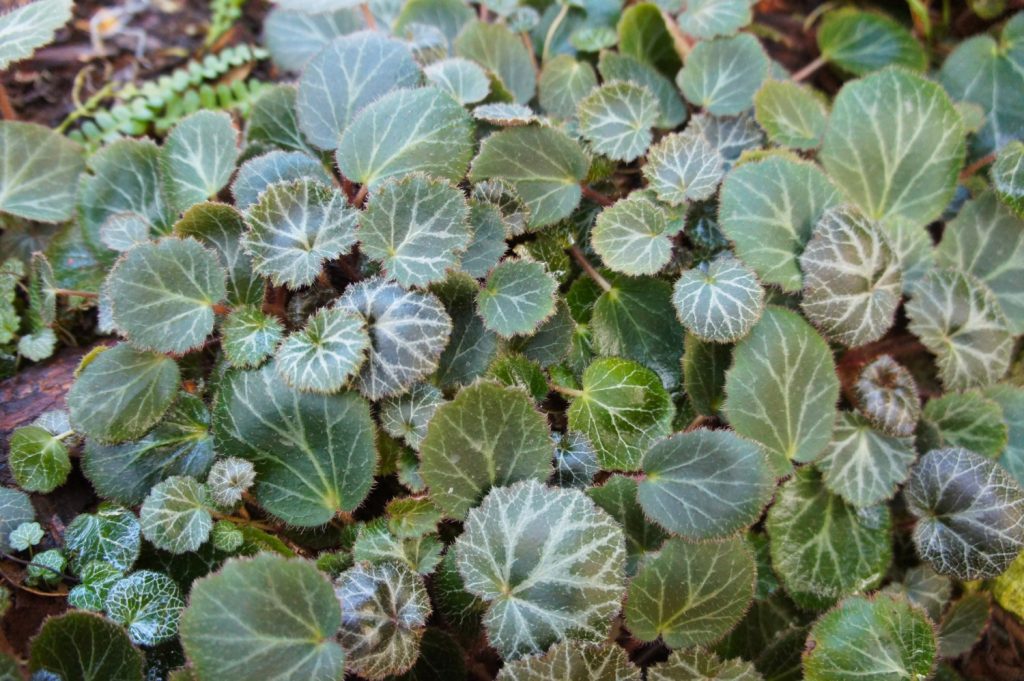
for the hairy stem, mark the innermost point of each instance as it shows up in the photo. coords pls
(371, 21)
(6, 109)
(595, 196)
(809, 70)
(588, 268)
(552, 29)
(976, 166)
(77, 294)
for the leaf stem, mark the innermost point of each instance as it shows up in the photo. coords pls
(562, 390)
(371, 21)
(552, 29)
(77, 294)
(595, 196)
(810, 69)
(680, 41)
(588, 268)
(700, 420)
(6, 109)
(976, 166)
(220, 309)
(65, 434)
(360, 197)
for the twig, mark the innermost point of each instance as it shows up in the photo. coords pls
(976, 166)
(588, 268)
(371, 21)
(6, 110)
(809, 70)
(595, 196)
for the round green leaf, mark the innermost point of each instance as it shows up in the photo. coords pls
(314, 454)
(378, 545)
(471, 346)
(888, 170)
(294, 227)
(407, 416)
(615, 66)
(505, 115)
(85, 647)
(544, 166)
(683, 167)
(821, 547)
(701, 665)
(544, 579)
(518, 296)
(148, 605)
(769, 209)
(122, 231)
(220, 227)
(881, 638)
(722, 75)
(963, 624)
(852, 283)
(730, 136)
(792, 115)
(15, 509)
(39, 171)
(272, 614)
(862, 465)
(126, 178)
(111, 535)
(617, 119)
(406, 131)
(705, 19)
(272, 118)
(1011, 399)
(630, 236)
(691, 594)
(503, 54)
(384, 611)
(987, 240)
(488, 240)
(347, 75)
(970, 514)
(122, 393)
(618, 496)
(564, 83)
(415, 227)
(97, 579)
(782, 388)
(573, 661)
(622, 409)
(408, 331)
(175, 516)
(705, 483)
(464, 80)
(487, 436)
(719, 301)
(968, 419)
(861, 42)
(958, 319)
(293, 36)
(198, 158)
(248, 336)
(325, 353)
(163, 294)
(229, 479)
(25, 28)
(38, 459)
(256, 174)
(925, 588)
(886, 394)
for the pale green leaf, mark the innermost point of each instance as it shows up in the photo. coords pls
(622, 409)
(408, 331)
(769, 209)
(415, 227)
(38, 459)
(683, 167)
(26, 28)
(175, 516)
(549, 563)
(1011, 399)
(488, 240)
(615, 66)
(860, 42)
(272, 121)
(347, 75)
(328, 350)
(229, 479)
(407, 416)
(111, 535)
(125, 178)
(792, 115)
(38, 345)
(487, 436)
(504, 114)
(822, 548)
(384, 611)
(268, 613)
(863, 465)
(163, 294)
(618, 496)
(502, 53)
(148, 605)
(691, 594)
(617, 119)
(544, 165)
(966, 419)
(314, 454)
(471, 345)
(517, 297)
(705, 483)
(573, 661)
(198, 158)
(25, 536)
(256, 174)
(719, 301)
(958, 319)
(889, 170)
(644, 36)
(122, 231)
(294, 36)
(410, 517)
(464, 80)
(378, 545)
(122, 393)
(86, 647)
(564, 83)
(248, 336)
(630, 236)
(705, 19)
(730, 136)
(723, 75)
(221, 227)
(39, 168)
(15, 509)
(963, 623)
(294, 227)
(700, 665)
(406, 131)
(782, 388)
(881, 638)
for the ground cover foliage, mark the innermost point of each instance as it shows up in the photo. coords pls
(528, 341)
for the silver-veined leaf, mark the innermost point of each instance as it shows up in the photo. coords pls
(294, 227)
(987, 240)
(683, 167)
(630, 236)
(617, 119)
(221, 227)
(925, 588)
(852, 281)
(622, 409)
(464, 80)
(624, 67)
(886, 394)
(123, 231)
(82, 645)
(705, 483)
(229, 479)
(503, 54)
(347, 75)
(96, 580)
(691, 594)
(575, 461)
(1008, 176)
(198, 158)
(268, 613)
(730, 136)
(406, 131)
(294, 36)
(970, 514)
(822, 548)
(408, 331)
(39, 168)
(782, 388)
(504, 114)
(573, 661)
(415, 227)
(406, 416)
(719, 301)
(111, 535)
(125, 178)
(38, 459)
(705, 19)
(907, 170)
(791, 114)
(517, 297)
(488, 436)
(488, 240)
(544, 165)
(26, 28)
(564, 83)
(966, 419)
(314, 454)
(378, 545)
(175, 516)
(15, 509)
(163, 294)
(549, 563)
(147, 604)
(256, 174)
(769, 209)
(882, 638)
(701, 665)
(122, 393)
(384, 611)
(723, 75)
(248, 336)
(325, 353)
(862, 465)
(861, 42)
(959, 320)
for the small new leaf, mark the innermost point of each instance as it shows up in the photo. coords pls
(617, 119)
(175, 516)
(518, 296)
(325, 353)
(719, 301)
